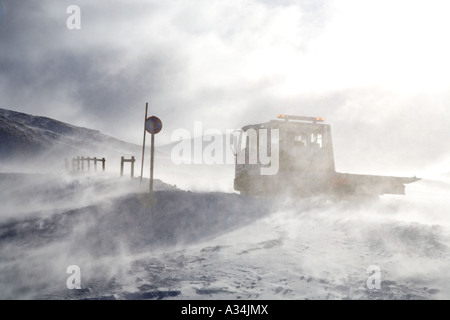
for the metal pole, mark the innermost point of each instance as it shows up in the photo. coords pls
(152, 151)
(143, 144)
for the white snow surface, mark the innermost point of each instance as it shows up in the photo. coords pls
(177, 244)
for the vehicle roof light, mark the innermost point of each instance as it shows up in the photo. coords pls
(300, 118)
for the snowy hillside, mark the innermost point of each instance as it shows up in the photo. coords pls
(35, 144)
(28, 138)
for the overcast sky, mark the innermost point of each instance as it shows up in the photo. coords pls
(378, 71)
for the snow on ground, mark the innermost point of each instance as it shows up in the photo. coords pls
(177, 244)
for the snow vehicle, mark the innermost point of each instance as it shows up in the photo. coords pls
(302, 161)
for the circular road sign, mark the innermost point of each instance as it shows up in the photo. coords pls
(153, 125)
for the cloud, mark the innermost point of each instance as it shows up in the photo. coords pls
(174, 55)
(229, 64)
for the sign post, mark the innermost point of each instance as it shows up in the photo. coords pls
(153, 125)
(152, 152)
(143, 144)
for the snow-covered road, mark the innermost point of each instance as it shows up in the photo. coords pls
(197, 245)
